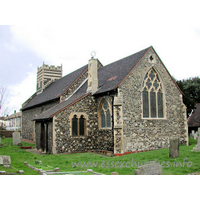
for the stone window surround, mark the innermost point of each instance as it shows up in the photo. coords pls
(164, 99)
(99, 114)
(78, 114)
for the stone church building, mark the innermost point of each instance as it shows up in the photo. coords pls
(130, 105)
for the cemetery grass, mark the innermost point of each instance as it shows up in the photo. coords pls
(101, 163)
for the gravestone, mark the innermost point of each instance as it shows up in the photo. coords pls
(5, 160)
(174, 148)
(192, 134)
(150, 169)
(197, 147)
(16, 138)
(195, 136)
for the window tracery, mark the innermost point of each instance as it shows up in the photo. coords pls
(152, 96)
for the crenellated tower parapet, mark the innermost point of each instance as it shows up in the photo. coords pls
(46, 75)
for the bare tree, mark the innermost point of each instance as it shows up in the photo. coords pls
(4, 101)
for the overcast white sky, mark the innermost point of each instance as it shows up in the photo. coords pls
(68, 31)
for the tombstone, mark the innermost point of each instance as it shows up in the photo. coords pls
(5, 160)
(197, 147)
(150, 169)
(16, 138)
(192, 134)
(195, 136)
(174, 148)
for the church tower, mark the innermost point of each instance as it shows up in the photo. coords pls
(46, 75)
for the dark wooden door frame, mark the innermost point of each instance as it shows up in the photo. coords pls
(44, 145)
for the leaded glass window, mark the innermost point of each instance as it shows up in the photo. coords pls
(74, 126)
(82, 126)
(152, 96)
(108, 118)
(105, 115)
(103, 119)
(78, 125)
(145, 97)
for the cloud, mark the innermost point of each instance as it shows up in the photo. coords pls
(10, 47)
(21, 92)
(115, 30)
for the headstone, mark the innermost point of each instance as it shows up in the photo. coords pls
(195, 136)
(5, 160)
(197, 147)
(150, 169)
(16, 138)
(192, 134)
(174, 148)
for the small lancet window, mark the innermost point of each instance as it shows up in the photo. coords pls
(82, 126)
(152, 96)
(74, 126)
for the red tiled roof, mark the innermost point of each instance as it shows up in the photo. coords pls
(194, 119)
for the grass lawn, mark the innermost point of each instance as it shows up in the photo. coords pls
(124, 165)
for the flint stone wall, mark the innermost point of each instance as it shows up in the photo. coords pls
(147, 134)
(6, 133)
(96, 138)
(28, 126)
(73, 87)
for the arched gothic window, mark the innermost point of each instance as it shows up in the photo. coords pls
(105, 115)
(152, 96)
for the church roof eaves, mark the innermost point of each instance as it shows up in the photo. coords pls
(80, 94)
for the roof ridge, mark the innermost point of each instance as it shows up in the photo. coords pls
(128, 56)
(147, 49)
